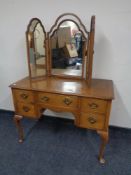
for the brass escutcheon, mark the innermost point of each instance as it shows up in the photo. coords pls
(93, 105)
(92, 120)
(24, 96)
(45, 98)
(26, 109)
(67, 101)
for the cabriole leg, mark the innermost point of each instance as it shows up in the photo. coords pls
(17, 120)
(104, 138)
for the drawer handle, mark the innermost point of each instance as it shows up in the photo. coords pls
(92, 120)
(93, 105)
(45, 98)
(26, 109)
(67, 101)
(24, 96)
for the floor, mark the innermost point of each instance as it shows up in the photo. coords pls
(54, 146)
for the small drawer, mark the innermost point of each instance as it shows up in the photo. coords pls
(23, 95)
(93, 105)
(92, 121)
(57, 100)
(27, 110)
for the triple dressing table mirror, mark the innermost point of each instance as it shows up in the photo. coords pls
(60, 77)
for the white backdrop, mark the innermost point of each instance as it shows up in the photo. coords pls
(112, 59)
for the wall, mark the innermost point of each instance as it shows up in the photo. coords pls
(112, 59)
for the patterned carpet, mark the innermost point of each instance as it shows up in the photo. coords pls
(54, 146)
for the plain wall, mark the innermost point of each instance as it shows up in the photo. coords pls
(112, 58)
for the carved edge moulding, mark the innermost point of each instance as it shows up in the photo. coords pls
(88, 49)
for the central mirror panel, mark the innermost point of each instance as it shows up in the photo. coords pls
(67, 50)
(36, 48)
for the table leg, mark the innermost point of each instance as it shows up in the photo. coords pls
(17, 120)
(104, 138)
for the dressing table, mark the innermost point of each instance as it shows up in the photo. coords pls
(60, 77)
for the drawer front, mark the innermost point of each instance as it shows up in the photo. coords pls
(26, 110)
(92, 121)
(93, 105)
(57, 100)
(23, 95)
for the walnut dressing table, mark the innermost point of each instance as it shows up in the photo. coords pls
(89, 100)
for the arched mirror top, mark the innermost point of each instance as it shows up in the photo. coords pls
(72, 18)
(33, 24)
(68, 46)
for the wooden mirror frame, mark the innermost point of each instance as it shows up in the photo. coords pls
(88, 52)
(28, 44)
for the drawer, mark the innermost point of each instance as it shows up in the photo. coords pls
(57, 100)
(26, 110)
(92, 121)
(23, 95)
(93, 105)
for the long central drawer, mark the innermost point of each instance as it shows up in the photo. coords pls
(57, 100)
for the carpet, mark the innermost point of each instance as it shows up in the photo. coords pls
(54, 146)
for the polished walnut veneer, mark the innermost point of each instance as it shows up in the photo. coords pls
(90, 105)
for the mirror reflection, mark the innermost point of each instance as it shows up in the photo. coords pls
(36, 38)
(67, 46)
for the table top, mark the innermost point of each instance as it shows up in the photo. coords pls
(99, 88)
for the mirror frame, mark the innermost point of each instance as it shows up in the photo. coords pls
(88, 51)
(28, 45)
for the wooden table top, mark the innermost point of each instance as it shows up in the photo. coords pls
(99, 88)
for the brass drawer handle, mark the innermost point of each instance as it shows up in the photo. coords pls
(67, 101)
(93, 105)
(24, 96)
(92, 120)
(45, 98)
(26, 109)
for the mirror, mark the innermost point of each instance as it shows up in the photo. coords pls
(36, 48)
(67, 50)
